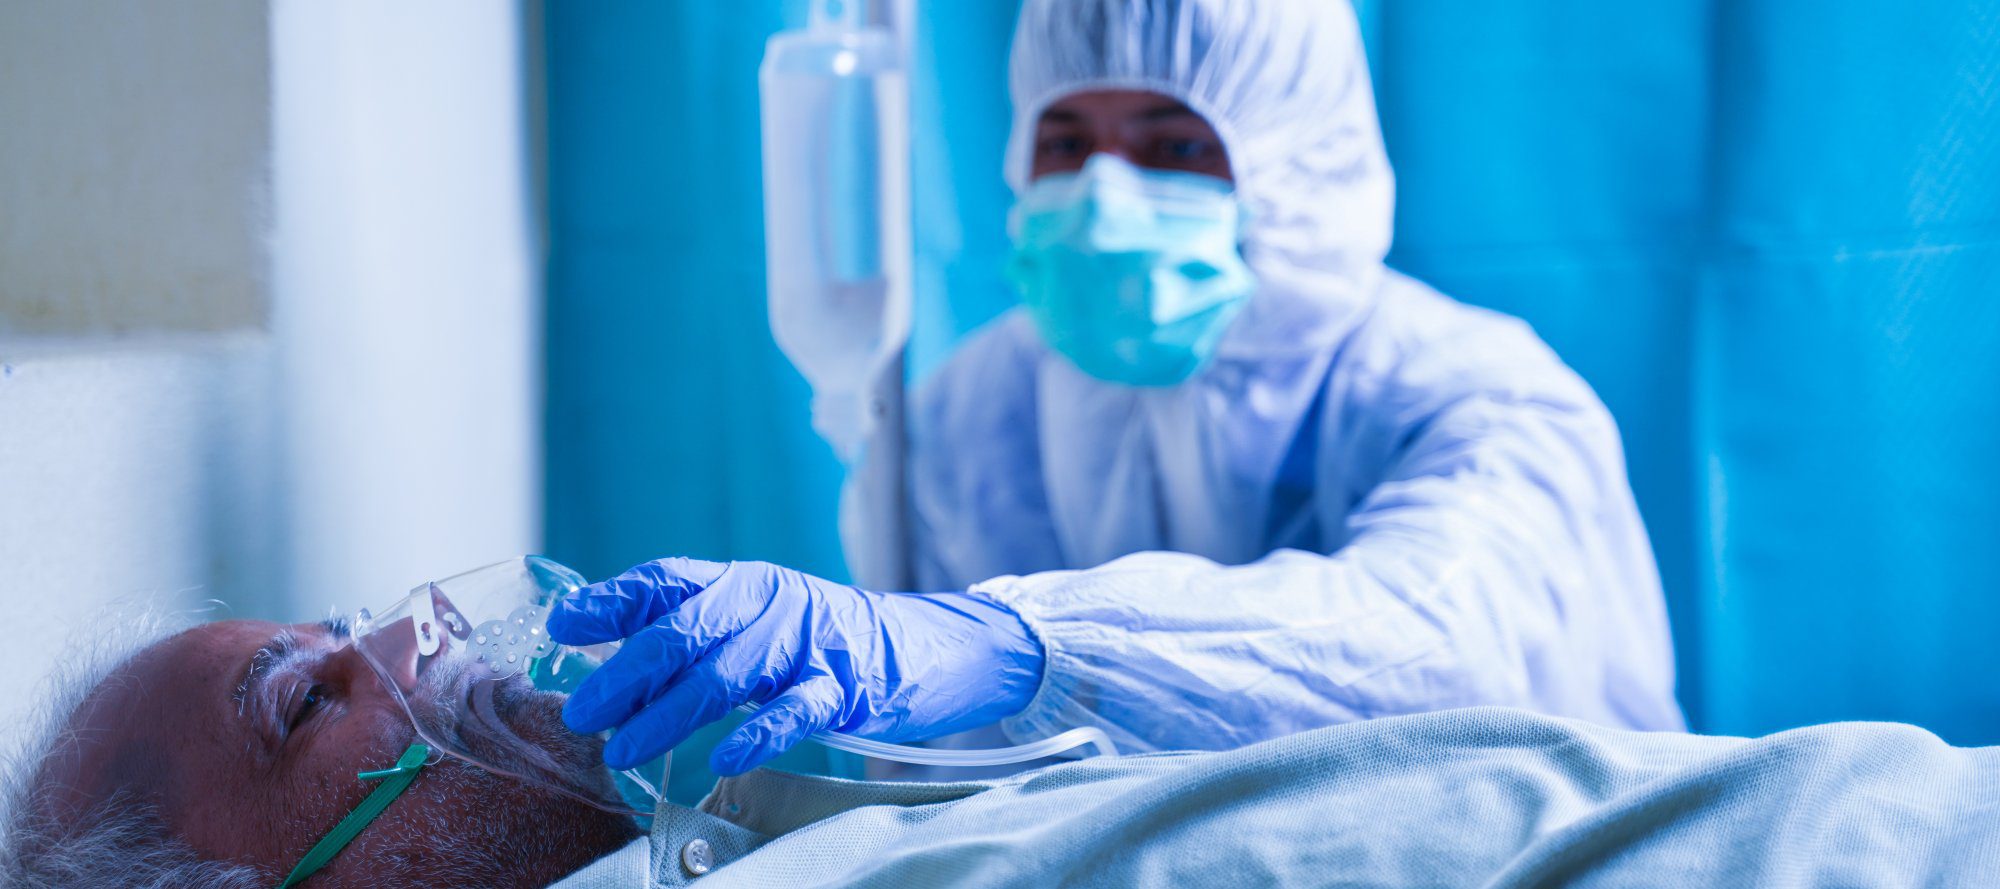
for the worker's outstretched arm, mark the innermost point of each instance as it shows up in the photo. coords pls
(1498, 560)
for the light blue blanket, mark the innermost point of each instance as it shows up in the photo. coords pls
(1482, 797)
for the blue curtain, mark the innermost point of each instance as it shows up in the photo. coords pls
(674, 425)
(960, 117)
(1768, 232)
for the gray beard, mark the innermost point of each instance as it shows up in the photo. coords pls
(529, 825)
(488, 851)
(510, 728)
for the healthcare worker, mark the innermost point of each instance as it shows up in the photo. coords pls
(1222, 477)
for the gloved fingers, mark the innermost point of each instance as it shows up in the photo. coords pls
(811, 706)
(700, 697)
(616, 608)
(652, 659)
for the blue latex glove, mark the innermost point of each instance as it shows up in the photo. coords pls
(702, 637)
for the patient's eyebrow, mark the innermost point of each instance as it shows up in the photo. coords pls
(263, 662)
(282, 649)
(337, 627)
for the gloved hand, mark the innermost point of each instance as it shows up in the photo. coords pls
(702, 637)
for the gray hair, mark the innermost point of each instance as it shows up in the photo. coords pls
(117, 842)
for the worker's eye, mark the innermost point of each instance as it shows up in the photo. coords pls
(1062, 146)
(1185, 151)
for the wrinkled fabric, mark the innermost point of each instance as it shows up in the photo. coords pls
(1374, 501)
(1481, 797)
(1448, 526)
(700, 638)
(628, 867)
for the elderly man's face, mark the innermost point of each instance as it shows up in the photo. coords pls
(246, 737)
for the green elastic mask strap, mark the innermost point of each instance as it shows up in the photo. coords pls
(394, 781)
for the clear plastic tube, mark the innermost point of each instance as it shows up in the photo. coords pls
(994, 756)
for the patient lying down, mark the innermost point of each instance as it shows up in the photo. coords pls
(219, 756)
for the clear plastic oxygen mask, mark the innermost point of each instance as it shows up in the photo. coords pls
(470, 661)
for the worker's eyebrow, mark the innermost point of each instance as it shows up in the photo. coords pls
(1167, 112)
(1058, 115)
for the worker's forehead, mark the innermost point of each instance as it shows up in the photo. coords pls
(1116, 103)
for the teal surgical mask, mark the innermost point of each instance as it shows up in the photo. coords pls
(1133, 274)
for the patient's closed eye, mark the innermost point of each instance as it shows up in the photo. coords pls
(308, 704)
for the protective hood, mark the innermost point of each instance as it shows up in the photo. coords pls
(1285, 84)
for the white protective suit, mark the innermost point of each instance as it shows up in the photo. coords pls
(1374, 501)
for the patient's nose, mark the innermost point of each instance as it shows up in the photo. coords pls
(403, 648)
(392, 650)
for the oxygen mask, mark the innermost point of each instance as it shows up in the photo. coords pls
(470, 661)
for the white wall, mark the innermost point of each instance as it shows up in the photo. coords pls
(407, 305)
(131, 475)
(137, 465)
(266, 308)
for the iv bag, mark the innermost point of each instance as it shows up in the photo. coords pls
(837, 208)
